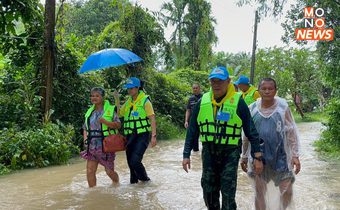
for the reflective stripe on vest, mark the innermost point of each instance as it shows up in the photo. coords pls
(107, 115)
(218, 131)
(136, 121)
(249, 97)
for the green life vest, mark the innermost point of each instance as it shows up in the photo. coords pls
(136, 120)
(218, 131)
(107, 115)
(249, 97)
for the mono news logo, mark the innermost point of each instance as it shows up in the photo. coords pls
(314, 26)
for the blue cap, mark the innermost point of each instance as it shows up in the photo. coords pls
(132, 82)
(242, 80)
(219, 72)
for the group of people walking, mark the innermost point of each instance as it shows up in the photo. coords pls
(265, 133)
(252, 122)
(138, 124)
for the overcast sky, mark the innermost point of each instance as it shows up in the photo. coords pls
(234, 27)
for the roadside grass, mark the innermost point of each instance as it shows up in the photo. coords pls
(316, 116)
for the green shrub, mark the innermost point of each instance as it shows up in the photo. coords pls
(38, 147)
(21, 107)
(330, 141)
(188, 76)
(315, 116)
(166, 129)
(326, 147)
(71, 92)
(168, 96)
(4, 169)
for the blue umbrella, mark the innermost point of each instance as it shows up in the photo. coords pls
(109, 58)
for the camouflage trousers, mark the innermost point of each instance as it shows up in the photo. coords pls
(220, 163)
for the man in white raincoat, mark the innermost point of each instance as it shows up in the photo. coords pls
(279, 143)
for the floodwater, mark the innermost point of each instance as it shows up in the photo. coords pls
(317, 186)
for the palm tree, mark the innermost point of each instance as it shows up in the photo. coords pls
(173, 14)
(200, 31)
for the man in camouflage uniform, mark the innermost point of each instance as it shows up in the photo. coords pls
(218, 118)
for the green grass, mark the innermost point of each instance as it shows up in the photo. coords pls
(311, 117)
(327, 150)
(327, 146)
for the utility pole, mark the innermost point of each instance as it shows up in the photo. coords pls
(48, 62)
(252, 70)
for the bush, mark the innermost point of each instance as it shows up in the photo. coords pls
(71, 92)
(49, 145)
(326, 147)
(166, 129)
(4, 169)
(168, 96)
(330, 141)
(20, 108)
(188, 76)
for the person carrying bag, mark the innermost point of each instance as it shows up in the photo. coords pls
(101, 121)
(114, 143)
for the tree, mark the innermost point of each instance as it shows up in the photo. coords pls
(194, 32)
(21, 44)
(236, 63)
(174, 13)
(21, 25)
(138, 31)
(200, 33)
(265, 7)
(48, 62)
(329, 55)
(294, 70)
(85, 18)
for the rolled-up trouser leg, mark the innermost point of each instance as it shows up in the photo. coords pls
(210, 181)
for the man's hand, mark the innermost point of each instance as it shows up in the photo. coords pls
(102, 121)
(244, 164)
(186, 124)
(153, 141)
(296, 164)
(186, 164)
(258, 166)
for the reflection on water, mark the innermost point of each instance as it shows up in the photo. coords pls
(65, 187)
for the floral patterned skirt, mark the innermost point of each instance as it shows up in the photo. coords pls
(95, 152)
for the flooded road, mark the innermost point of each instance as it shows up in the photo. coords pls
(65, 187)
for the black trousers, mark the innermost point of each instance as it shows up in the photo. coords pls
(135, 149)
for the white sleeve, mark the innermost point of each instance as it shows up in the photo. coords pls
(292, 134)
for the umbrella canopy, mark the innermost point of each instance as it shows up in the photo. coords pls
(108, 58)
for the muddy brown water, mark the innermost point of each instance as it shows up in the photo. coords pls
(65, 187)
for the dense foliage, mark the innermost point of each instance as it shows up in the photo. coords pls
(169, 69)
(49, 144)
(328, 53)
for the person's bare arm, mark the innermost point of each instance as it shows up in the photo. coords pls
(152, 119)
(84, 135)
(113, 125)
(245, 154)
(187, 117)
